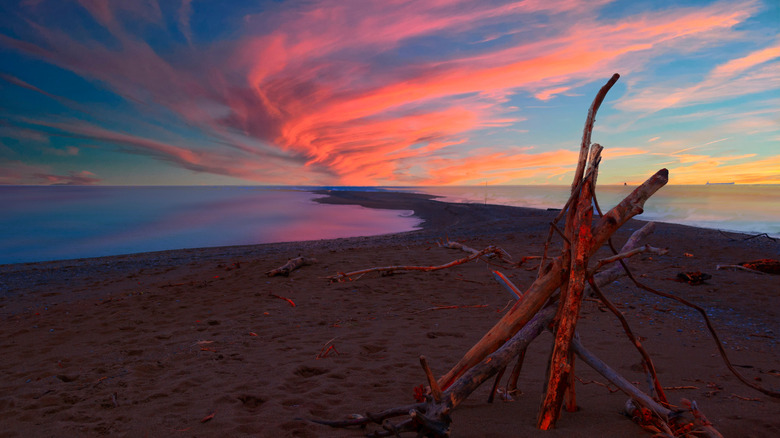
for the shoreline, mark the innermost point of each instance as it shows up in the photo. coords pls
(153, 343)
(433, 211)
(439, 220)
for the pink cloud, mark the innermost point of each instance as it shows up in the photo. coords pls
(72, 178)
(304, 92)
(18, 172)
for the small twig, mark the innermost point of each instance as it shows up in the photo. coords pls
(434, 385)
(508, 303)
(558, 230)
(292, 303)
(326, 349)
(711, 329)
(648, 363)
(596, 382)
(495, 385)
(749, 237)
(474, 306)
(507, 284)
(627, 254)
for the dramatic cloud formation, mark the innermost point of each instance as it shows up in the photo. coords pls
(376, 93)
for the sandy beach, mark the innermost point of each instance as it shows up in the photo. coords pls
(202, 343)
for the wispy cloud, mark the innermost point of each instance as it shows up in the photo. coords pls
(18, 172)
(740, 169)
(757, 72)
(356, 92)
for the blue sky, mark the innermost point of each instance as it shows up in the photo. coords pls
(385, 93)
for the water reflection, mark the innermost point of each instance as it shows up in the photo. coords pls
(50, 223)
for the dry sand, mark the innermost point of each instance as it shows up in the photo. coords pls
(153, 344)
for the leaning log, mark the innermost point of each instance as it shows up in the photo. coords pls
(561, 362)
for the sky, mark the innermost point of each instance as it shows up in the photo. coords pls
(389, 93)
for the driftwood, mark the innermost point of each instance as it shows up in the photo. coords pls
(738, 267)
(540, 306)
(456, 245)
(544, 286)
(290, 266)
(349, 276)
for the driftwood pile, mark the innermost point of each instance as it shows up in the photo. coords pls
(552, 302)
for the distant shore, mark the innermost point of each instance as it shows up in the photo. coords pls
(155, 343)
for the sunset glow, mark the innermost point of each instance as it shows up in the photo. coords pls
(348, 92)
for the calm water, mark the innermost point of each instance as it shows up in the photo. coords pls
(65, 222)
(744, 208)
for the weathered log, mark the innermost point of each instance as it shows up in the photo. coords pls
(290, 266)
(616, 379)
(561, 362)
(703, 427)
(552, 278)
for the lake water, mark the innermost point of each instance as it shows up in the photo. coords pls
(751, 209)
(39, 223)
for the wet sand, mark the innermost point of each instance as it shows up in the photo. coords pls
(198, 342)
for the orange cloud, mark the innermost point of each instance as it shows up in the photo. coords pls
(323, 92)
(589, 50)
(499, 167)
(712, 169)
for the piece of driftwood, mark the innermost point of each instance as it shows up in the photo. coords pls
(290, 266)
(451, 244)
(561, 361)
(456, 245)
(348, 276)
(701, 427)
(738, 267)
(767, 266)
